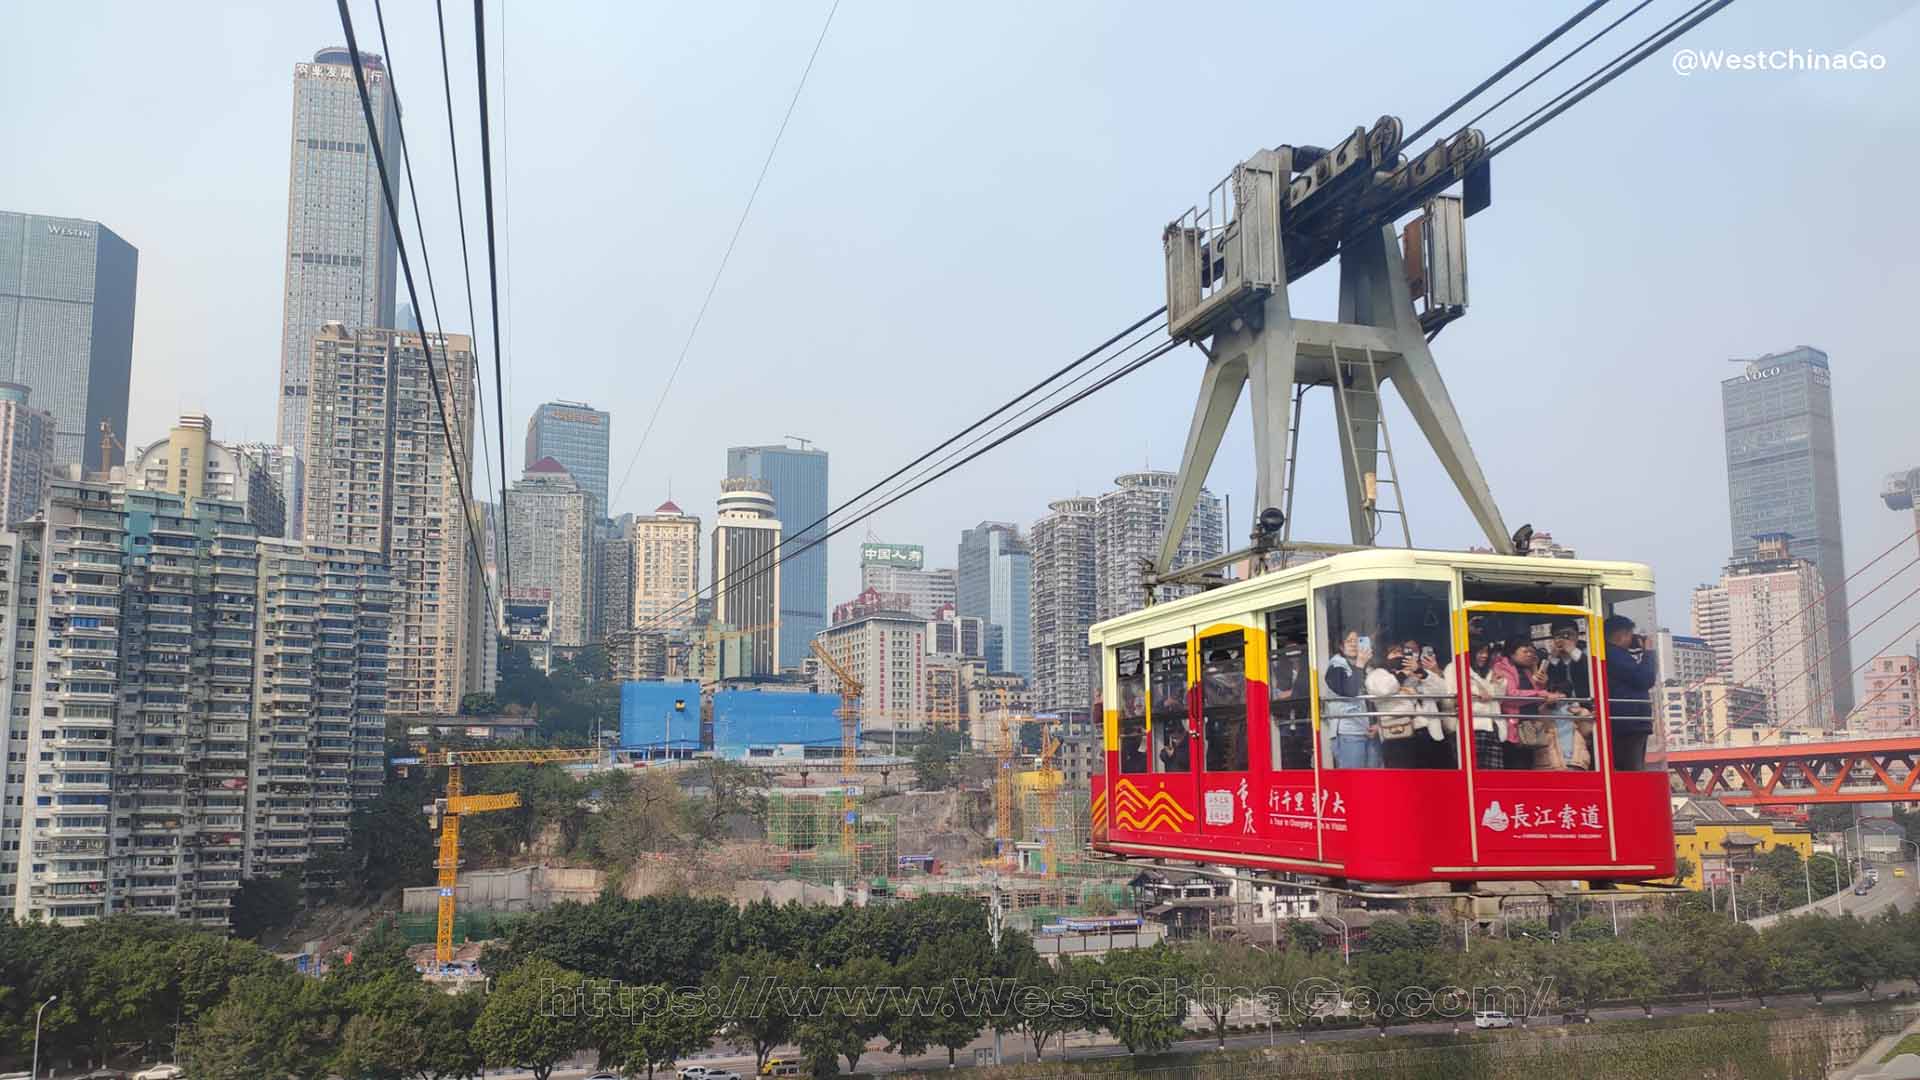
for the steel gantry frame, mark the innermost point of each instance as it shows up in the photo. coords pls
(1281, 214)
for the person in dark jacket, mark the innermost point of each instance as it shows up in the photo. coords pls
(1631, 675)
(1568, 674)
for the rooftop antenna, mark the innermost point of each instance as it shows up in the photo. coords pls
(805, 444)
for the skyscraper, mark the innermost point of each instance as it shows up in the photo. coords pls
(1782, 478)
(1776, 638)
(379, 477)
(66, 327)
(577, 436)
(995, 583)
(340, 245)
(666, 568)
(797, 477)
(900, 570)
(1064, 602)
(26, 452)
(746, 573)
(549, 529)
(1128, 525)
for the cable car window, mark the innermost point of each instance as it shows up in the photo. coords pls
(1130, 671)
(1172, 752)
(1223, 701)
(1289, 688)
(1633, 677)
(1385, 700)
(1515, 589)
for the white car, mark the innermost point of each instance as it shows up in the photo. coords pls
(701, 1072)
(160, 1072)
(1492, 1018)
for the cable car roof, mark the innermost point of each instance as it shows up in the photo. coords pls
(1381, 562)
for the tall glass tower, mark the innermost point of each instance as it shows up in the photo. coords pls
(797, 478)
(1783, 479)
(66, 327)
(575, 435)
(340, 245)
(995, 583)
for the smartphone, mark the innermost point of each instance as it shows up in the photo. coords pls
(1366, 644)
(1426, 652)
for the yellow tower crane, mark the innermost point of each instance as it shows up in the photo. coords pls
(447, 811)
(1047, 787)
(1003, 786)
(850, 690)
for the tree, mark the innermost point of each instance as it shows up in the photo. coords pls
(652, 1027)
(447, 1024)
(1225, 975)
(1037, 1007)
(756, 1018)
(376, 1046)
(478, 705)
(534, 1018)
(262, 904)
(1150, 997)
(274, 1025)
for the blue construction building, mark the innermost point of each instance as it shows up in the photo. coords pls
(664, 718)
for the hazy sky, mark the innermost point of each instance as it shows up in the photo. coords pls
(971, 194)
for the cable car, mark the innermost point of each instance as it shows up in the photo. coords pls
(1389, 717)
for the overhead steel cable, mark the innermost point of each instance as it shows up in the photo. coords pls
(426, 263)
(1904, 635)
(493, 281)
(466, 266)
(700, 315)
(1551, 68)
(1133, 366)
(976, 425)
(1552, 36)
(406, 265)
(1606, 73)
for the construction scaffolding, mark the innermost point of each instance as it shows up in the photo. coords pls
(808, 834)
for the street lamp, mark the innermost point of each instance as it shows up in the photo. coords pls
(1916, 860)
(37, 1014)
(1346, 953)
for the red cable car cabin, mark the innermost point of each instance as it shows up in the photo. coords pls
(1389, 716)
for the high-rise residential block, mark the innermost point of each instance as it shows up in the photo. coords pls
(1684, 658)
(341, 258)
(549, 532)
(66, 328)
(284, 466)
(613, 576)
(1891, 703)
(1710, 625)
(1777, 636)
(1065, 601)
(747, 572)
(64, 576)
(577, 436)
(191, 464)
(994, 583)
(320, 688)
(1783, 479)
(380, 476)
(184, 709)
(26, 454)
(963, 637)
(1129, 522)
(797, 480)
(666, 568)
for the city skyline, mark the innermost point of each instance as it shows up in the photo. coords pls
(235, 289)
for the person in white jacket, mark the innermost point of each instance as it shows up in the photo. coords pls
(1487, 689)
(1405, 701)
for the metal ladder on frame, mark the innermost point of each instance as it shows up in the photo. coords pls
(1347, 376)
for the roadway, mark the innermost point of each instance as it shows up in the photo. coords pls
(1016, 1050)
(1901, 892)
